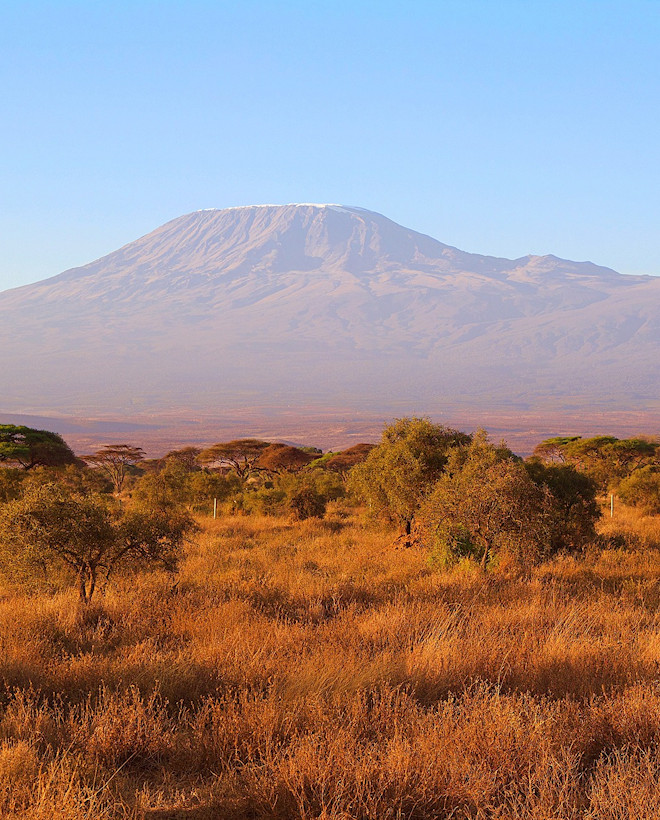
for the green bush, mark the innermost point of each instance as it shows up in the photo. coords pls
(83, 537)
(642, 489)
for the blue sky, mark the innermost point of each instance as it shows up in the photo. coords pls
(498, 126)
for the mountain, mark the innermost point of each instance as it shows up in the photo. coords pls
(326, 306)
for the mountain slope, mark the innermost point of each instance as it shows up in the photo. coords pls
(325, 304)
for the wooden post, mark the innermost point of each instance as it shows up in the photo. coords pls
(611, 505)
(215, 508)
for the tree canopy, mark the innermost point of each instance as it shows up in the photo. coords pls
(115, 460)
(29, 448)
(345, 460)
(277, 458)
(607, 459)
(397, 473)
(51, 526)
(240, 454)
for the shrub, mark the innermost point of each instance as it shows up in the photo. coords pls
(484, 511)
(307, 502)
(574, 509)
(642, 489)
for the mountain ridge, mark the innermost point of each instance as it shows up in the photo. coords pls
(326, 302)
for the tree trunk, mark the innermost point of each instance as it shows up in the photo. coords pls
(92, 583)
(86, 583)
(82, 586)
(486, 556)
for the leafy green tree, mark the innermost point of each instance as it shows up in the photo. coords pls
(606, 459)
(642, 489)
(397, 474)
(116, 461)
(484, 505)
(204, 486)
(167, 489)
(51, 528)
(29, 448)
(574, 508)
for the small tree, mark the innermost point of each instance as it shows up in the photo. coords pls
(574, 508)
(167, 489)
(488, 506)
(115, 460)
(396, 475)
(204, 486)
(29, 448)
(51, 527)
(642, 489)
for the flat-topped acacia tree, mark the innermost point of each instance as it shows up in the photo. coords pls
(345, 460)
(607, 459)
(240, 454)
(283, 458)
(28, 447)
(115, 460)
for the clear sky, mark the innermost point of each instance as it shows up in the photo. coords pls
(500, 126)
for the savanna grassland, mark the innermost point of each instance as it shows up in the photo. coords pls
(309, 669)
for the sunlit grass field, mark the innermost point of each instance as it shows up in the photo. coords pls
(311, 670)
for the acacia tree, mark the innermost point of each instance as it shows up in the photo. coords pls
(51, 527)
(115, 460)
(29, 448)
(278, 458)
(345, 460)
(606, 459)
(575, 509)
(185, 456)
(240, 454)
(489, 502)
(396, 475)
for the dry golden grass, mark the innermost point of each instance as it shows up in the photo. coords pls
(310, 670)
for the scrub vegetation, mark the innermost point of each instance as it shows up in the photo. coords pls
(462, 635)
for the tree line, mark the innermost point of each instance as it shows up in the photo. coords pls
(457, 495)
